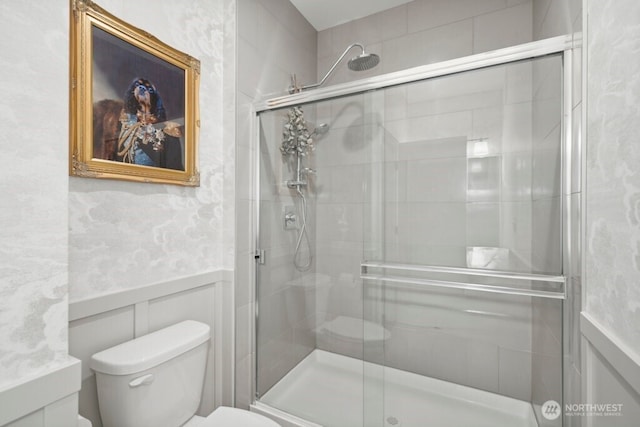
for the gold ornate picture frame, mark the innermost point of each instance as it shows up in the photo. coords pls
(134, 102)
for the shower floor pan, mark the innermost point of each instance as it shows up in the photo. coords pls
(326, 389)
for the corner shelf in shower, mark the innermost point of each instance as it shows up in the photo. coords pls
(354, 329)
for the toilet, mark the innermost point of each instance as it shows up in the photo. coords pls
(157, 380)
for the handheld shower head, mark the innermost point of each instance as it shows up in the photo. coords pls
(321, 129)
(362, 62)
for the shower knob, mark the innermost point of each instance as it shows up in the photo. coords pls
(290, 220)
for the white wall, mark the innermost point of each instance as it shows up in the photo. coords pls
(229, 69)
(612, 269)
(76, 237)
(33, 166)
(124, 235)
(613, 236)
(33, 216)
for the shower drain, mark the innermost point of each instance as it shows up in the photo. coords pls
(393, 421)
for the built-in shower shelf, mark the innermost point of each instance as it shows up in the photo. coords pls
(469, 279)
(354, 329)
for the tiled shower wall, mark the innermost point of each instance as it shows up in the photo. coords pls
(273, 41)
(426, 31)
(424, 131)
(464, 200)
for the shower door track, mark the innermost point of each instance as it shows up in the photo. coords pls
(521, 52)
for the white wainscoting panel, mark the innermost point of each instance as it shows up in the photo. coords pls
(48, 400)
(102, 322)
(611, 374)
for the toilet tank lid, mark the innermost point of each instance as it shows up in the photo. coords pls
(150, 350)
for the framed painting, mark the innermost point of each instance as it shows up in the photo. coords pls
(134, 102)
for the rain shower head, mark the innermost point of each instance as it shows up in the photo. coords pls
(362, 62)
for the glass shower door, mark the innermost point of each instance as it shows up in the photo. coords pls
(465, 283)
(285, 265)
(311, 342)
(428, 281)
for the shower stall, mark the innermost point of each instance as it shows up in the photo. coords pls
(411, 252)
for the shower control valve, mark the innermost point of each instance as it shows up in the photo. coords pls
(290, 219)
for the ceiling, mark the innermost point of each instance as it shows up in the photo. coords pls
(323, 14)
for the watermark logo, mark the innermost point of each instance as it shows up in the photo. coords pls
(593, 409)
(551, 410)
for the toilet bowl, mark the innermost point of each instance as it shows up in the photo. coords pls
(157, 380)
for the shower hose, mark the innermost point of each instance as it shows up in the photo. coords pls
(302, 235)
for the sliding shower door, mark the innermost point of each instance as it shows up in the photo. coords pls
(318, 163)
(410, 252)
(466, 285)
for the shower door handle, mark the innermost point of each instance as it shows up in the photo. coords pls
(260, 256)
(410, 274)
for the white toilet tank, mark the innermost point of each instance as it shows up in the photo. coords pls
(154, 380)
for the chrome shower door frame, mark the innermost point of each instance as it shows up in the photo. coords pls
(563, 45)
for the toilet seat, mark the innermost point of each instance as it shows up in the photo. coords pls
(225, 416)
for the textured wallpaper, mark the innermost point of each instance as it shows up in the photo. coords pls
(68, 239)
(124, 235)
(613, 168)
(33, 181)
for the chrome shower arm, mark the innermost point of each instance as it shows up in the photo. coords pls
(293, 88)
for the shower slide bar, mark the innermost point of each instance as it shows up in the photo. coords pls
(557, 283)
